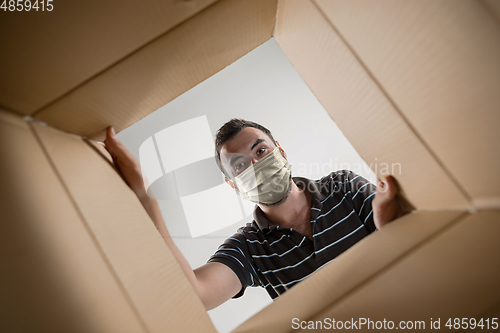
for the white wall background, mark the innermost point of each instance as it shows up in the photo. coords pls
(263, 87)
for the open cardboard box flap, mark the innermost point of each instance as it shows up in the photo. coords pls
(414, 82)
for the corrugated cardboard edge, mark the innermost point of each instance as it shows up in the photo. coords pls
(453, 276)
(351, 270)
(50, 257)
(174, 63)
(67, 50)
(143, 263)
(349, 93)
(437, 62)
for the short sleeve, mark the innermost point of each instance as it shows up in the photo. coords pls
(234, 254)
(362, 193)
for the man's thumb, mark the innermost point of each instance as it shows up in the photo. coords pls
(111, 132)
(392, 187)
(110, 136)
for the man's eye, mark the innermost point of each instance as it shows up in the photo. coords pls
(239, 166)
(261, 150)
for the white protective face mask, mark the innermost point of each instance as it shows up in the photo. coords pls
(266, 181)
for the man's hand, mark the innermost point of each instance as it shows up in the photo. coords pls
(387, 205)
(125, 162)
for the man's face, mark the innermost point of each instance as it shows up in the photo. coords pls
(245, 149)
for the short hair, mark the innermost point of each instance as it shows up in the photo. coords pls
(228, 131)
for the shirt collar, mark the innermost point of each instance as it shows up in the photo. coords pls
(318, 194)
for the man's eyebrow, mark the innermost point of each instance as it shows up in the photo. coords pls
(234, 159)
(256, 143)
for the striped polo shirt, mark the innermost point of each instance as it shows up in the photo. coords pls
(276, 258)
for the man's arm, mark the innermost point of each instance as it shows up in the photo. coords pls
(361, 192)
(214, 282)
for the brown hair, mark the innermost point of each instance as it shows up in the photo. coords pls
(229, 130)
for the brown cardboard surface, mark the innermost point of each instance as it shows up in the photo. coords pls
(493, 7)
(494, 312)
(351, 270)
(46, 54)
(143, 263)
(360, 107)
(438, 61)
(53, 277)
(164, 69)
(455, 275)
(414, 83)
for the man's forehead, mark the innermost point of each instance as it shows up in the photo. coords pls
(243, 141)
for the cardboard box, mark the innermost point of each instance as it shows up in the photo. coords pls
(413, 82)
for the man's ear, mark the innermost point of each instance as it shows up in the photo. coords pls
(230, 183)
(281, 149)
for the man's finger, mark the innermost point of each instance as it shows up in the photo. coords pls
(381, 185)
(112, 132)
(111, 143)
(110, 135)
(392, 188)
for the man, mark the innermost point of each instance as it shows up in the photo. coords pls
(299, 225)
